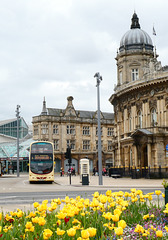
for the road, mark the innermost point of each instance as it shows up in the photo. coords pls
(18, 193)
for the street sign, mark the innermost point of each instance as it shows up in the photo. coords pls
(167, 147)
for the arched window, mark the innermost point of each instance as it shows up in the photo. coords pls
(140, 119)
(120, 77)
(153, 116)
(130, 123)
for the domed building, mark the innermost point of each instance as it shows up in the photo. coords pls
(140, 102)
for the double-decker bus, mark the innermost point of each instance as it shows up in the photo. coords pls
(41, 162)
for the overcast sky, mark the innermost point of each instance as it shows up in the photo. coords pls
(53, 48)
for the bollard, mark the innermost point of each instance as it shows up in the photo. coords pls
(166, 195)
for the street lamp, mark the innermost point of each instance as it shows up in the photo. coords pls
(18, 117)
(99, 79)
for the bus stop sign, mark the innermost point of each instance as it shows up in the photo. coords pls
(167, 147)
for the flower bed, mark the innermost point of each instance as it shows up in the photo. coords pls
(115, 215)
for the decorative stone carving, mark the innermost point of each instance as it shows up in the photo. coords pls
(153, 104)
(166, 101)
(138, 106)
(151, 67)
(129, 109)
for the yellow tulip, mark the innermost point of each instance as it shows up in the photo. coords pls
(41, 221)
(122, 224)
(159, 233)
(165, 228)
(85, 234)
(36, 204)
(115, 218)
(96, 195)
(29, 225)
(118, 231)
(35, 219)
(71, 232)
(92, 231)
(60, 232)
(19, 214)
(44, 201)
(5, 229)
(158, 192)
(47, 234)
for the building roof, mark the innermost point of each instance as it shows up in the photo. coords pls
(136, 38)
(141, 131)
(7, 121)
(9, 150)
(80, 113)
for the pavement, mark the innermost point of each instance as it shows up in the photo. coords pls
(76, 182)
(109, 182)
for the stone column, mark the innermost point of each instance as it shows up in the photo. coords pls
(149, 154)
(135, 156)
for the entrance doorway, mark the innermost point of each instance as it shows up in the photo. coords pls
(145, 157)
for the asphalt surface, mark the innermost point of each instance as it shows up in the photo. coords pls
(11, 184)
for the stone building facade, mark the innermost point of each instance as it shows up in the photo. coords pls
(140, 102)
(77, 129)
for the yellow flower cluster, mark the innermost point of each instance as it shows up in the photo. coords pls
(145, 233)
(72, 219)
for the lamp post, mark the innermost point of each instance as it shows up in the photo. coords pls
(17, 115)
(99, 79)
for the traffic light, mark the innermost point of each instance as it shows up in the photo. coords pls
(68, 155)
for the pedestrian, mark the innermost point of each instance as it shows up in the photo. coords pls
(61, 172)
(104, 171)
(94, 171)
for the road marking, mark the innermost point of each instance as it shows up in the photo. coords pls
(7, 197)
(24, 182)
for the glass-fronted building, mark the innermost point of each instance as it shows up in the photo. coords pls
(9, 128)
(8, 145)
(8, 156)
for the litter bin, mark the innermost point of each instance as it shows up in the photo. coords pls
(85, 179)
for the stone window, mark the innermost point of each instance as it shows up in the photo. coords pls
(97, 131)
(109, 145)
(71, 129)
(86, 130)
(56, 144)
(110, 131)
(71, 144)
(135, 75)
(97, 144)
(86, 144)
(35, 130)
(44, 128)
(55, 129)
